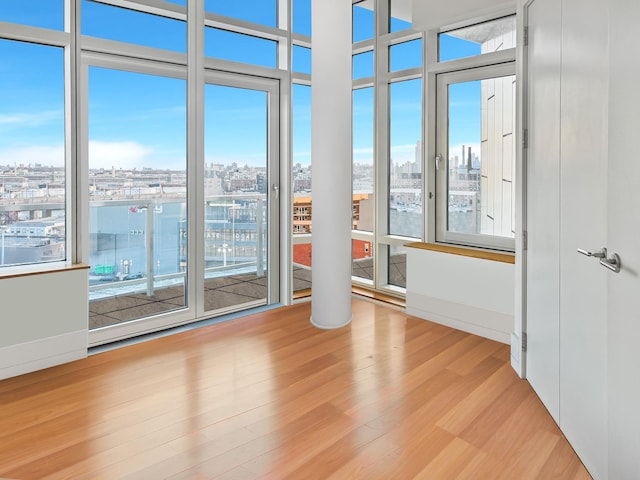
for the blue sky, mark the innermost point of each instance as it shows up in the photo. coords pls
(138, 120)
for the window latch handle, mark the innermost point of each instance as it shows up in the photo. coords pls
(438, 158)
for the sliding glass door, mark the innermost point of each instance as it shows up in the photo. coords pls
(144, 203)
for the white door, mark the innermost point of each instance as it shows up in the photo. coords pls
(567, 211)
(623, 175)
(543, 198)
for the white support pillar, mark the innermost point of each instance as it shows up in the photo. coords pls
(331, 157)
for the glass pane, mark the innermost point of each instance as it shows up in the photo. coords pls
(301, 59)
(362, 170)
(400, 15)
(124, 25)
(397, 266)
(32, 154)
(301, 172)
(36, 13)
(363, 65)
(238, 47)
(363, 21)
(137, 195)
(405, 164)
(362, 254)
(481, 157)
(302, 17)
(301, 269)
(301, 131)
(405, 55)
(236, 155)
(477, 39)
(263, 12)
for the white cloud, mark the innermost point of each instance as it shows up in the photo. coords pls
(124, 155)
(45, 155)
(31, 119)
(363, 151)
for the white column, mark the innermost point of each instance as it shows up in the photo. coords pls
(331, 157)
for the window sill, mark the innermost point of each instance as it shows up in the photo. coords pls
(39, 269)
(465, 251)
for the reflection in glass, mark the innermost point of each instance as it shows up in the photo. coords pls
(405, 162)
(477, 39)
(400, 18)
(137, 195)
(32, 154)
(131, 26)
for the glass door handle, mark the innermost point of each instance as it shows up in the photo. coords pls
(612, 263)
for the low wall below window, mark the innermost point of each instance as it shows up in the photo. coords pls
(466, 289)
(43, 319)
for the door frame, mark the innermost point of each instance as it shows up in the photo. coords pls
(194, 118)
(274, 197)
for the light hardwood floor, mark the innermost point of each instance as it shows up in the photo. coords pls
(269, 396)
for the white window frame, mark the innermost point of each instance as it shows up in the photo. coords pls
(443, 80)
(486, 65)
(64, 40)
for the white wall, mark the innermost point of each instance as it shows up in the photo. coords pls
(471, 294)
(43, 320)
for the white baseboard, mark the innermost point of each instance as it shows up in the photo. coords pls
(485, 323)
(516, 354)
(31, 356)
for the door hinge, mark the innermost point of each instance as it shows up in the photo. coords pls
(525, 37)
(525, 138)
(524, 341)
(524, 240)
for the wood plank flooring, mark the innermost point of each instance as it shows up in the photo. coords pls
(269, 396)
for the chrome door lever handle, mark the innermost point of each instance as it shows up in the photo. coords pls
(602, 253)
(612, 263)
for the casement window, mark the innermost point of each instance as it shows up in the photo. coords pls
(475, 127)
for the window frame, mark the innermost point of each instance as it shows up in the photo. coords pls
(443, 80)
(381, 239)
(484, 65)
(64, 40)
